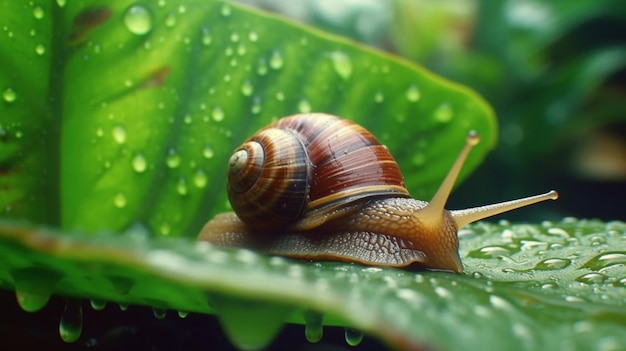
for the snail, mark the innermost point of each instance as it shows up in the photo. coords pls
(317, 187)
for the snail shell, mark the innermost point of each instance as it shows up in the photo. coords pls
(304, 170)
(317, 187)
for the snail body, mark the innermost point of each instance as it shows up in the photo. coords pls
(317, 187)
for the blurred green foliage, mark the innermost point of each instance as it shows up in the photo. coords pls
(555, 72)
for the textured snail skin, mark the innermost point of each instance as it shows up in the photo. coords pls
(382, 232)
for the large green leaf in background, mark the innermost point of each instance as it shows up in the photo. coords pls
(123, 114)
(118, 117)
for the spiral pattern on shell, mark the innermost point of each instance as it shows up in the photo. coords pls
(307, 166)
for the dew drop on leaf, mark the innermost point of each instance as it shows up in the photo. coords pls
(217, 114)
(173, 159)
(341, 64)
(170, 20)
(119, 200)
(379, 97)
(246, 88)
(313, 326)
(138, 19)
(253, 37)
(207, 38)
(553, 263)
(234, 37)
(61, 3)
(165, 229)
(256, 106)
(276, 61)
(38, 12)
(304, 106)
(241, 49)
(71, 324)
(9, 95)
(592, 278)
(119, 134)
(413, 93)
(200, 179)
(208, 152)
(353, 336)
(262, 67)
(181, 187)
(225, 10)
(443, 113)
(139, 163)
(159, 313)
(182, 314)
(97, 305)
(33, 287)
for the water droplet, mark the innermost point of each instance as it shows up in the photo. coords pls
(182, 314)
(40, 49)
(234, 37)
(71, 324)
(139, 163)
(353, 336)
(592, 278)
(173, 159)
(208, 152)
(553, 263)
(207, 38)
(558, 232)
(122, 306)
(477, 275)
(256, 106)
(241, 49)
(313, 326)
(98, 305)
(200, 179)
(9, 95)
(249, 325)
(280, 96)
(119, 200)
(225, 10)
(606, 259)
(119, 134)
(341, 64)
(165, 229)
(138, 19)
(217, 114)
(33, 287)
(304, 106)
(443, 113)
(246, 88)
(170, 20)
(181, 187)
(262, 68)
(413, 93)
(379, 97)
(253, 36)
(61, 3)
(38, 12)
(276, 61)
(182, 9)
(159, 313)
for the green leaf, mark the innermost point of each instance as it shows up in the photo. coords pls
(132, 109)
(526, 287)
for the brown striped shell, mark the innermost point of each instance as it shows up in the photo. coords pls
(306, 169)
